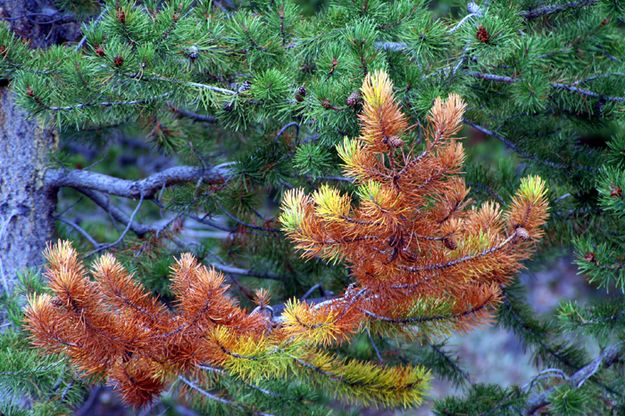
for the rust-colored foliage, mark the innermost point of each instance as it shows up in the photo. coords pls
(419, 254)
(111, 326)
(418, 251)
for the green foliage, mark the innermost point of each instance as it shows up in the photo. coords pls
(281, 79)
(600, 321)
(32, 383)
(481, 399)
(569, 401)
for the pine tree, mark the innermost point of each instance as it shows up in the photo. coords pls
(184, 123)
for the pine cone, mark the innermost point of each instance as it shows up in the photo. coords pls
(482, 34)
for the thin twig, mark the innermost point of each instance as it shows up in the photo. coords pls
(95, 22)
(123, 234)
(523, 153)
(181, 112)
(205, 393)
(375, 347)
(248, 272)
(608, 356)
(80, 230)
(555, 8)
(312, 290)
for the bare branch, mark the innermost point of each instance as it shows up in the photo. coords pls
(148, 187)
(97, 20)
(555, 8)
(512, 146)
(391, 46)
(214, 397)
(608, 356)
(205, 393)
(312, 290)
(374, 346)
(116, 213)
(81, 231)
(555, 85)
(492, 77)
(247, 272)
(587, 93)
(123, 234)
(182, 113)
(81, 106)
(285, 128)
(243, 223)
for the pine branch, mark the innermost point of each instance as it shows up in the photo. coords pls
(609, 356)
(116, 213)
(248, 272)
(556, 85)
(492, 77)
(81, 106)
(475, 11)
(555, 8)
(148, 187)
(182, 113)
(586, 92)
(512, 146)
(424, 319)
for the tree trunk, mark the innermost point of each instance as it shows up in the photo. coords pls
(26, 205)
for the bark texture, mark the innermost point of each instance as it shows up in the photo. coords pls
(26, 204)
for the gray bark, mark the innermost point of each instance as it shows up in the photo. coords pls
(26, 204)
(148, 187)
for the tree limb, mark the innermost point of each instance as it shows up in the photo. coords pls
(247, 272)
(182, 113)
(149, 186)
(512, 146)
(608, 356)
(116, 213)
(555, 85)
(555, 8)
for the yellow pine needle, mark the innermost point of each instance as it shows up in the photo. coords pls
(303, 324)
(292, 210)
(330, 204)
(372, 384)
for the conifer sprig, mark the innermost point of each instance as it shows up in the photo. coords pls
(112, 327)
(419, 255)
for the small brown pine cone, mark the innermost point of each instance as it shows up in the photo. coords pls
(300, 94)
(482, 34)
(354, 99)
(590, 257)
(616, 191)
(121, 16)
(327, 104)
(394, 141)
(450, 243)
(522, 233)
